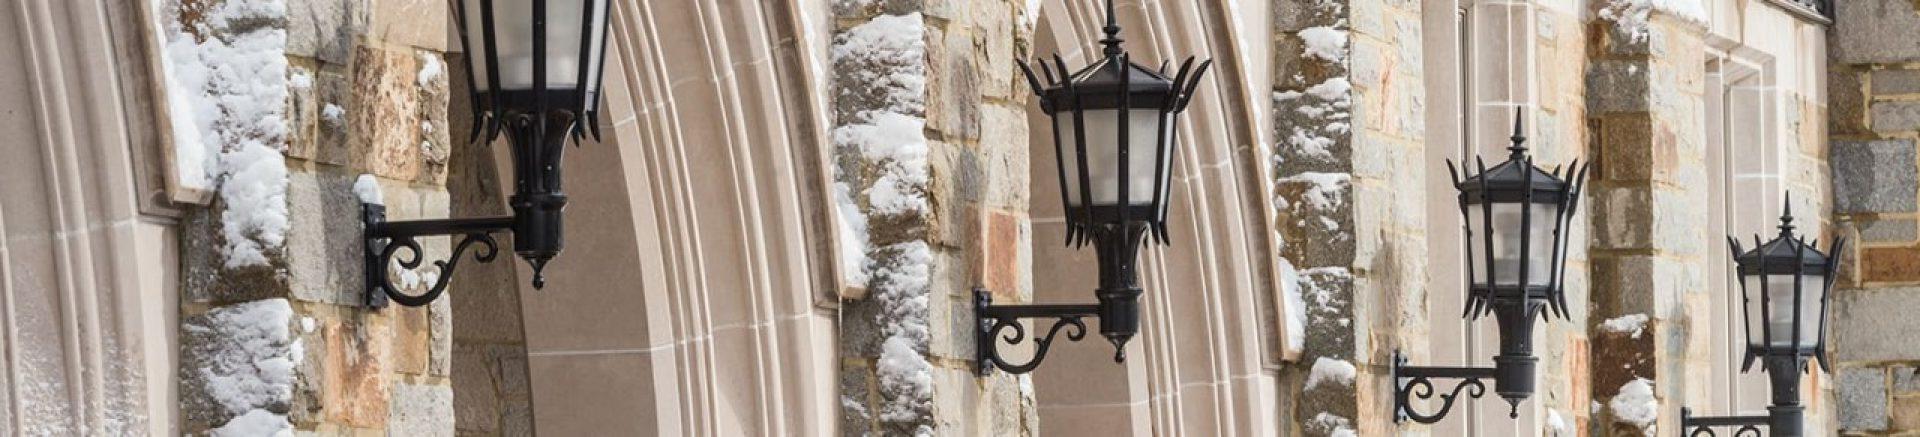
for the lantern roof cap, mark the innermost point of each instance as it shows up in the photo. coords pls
(1115, 72)
(1784, 248)
(1517, 173)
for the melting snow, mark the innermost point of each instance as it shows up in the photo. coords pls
(1325, 42)
(249, 371)
(228, 96)
(1631, 323)
(1636, 405)
(1632, 16)
(1331, 370)
(368, 188)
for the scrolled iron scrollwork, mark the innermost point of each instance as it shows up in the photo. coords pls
(1742, 431)
(397, 243)
(996, 319)
(443, 273)
(1041, 343)
(1421, 387)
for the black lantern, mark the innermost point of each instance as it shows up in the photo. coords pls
(1515, 269)
(1114, 132)
(535, 69)
(1784, 285)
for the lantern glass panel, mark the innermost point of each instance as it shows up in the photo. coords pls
(1779, 317)
(514, 42)
(1507, 233)
(1103, 154)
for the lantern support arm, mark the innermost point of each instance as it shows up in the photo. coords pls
(1786, 417)
(1412, 382)
(992, 319)
(385, 240)
(1703, 426)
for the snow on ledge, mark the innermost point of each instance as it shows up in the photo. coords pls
(1634, 324)
(227, 85)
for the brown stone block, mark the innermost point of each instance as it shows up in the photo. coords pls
(1892, 264)
(1579, 372)
(1620, 357)
(1626, 148)
(1002, 262)
(383, 119)
(354, 382)
(1846, 101)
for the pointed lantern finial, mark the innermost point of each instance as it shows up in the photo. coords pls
(1112, 40)
(1786, 215)
(1519, 147)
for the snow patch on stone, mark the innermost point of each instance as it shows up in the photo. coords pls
(1633, 324)
(368, 189)
(227, 94)
(1633, 17)
(1332, 370)
(901, 285)
(1325, 42)
(431, 68)
(1296, 305)
(1332, 424)
(1636, 405)
(245, 360)
(1557, 426)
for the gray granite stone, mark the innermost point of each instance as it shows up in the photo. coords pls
(1863, 399)
(1891, 82)
(421, 410)
(1898, 230)
(1864, 324)
(1875, 32)
(325, 29)
(1895, 117)
(1874, 176)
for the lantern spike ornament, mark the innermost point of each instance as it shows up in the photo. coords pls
(1515, 270)
(1115, 128)
(534, 69)
(1785, 284)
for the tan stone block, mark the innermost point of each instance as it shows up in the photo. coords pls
(412, 335)
(1890, 264)
(383, 116)
(303, 113)
(1906, 413)
(419, 23)
(354, 391)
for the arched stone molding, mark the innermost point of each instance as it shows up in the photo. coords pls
(87, 280)
(695, 294)
(1207, 359)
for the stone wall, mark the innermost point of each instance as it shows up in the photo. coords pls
(1874, 100)
(930, 148)
(1645, 105)
(367, 98)
(1348, 130)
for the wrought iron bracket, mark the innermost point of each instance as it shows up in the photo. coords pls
(1703, 426)
(994, 318)
(385, 240)
(1412, 382)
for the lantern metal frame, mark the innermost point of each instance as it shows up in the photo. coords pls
(1786, 254)
(1117, 231)
(1515, 306)
(537, 123)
